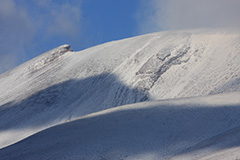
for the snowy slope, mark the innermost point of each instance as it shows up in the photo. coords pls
(189, 128)
(61, 85)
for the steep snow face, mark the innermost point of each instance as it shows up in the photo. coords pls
(186, 65)
(61, 84)
(190, 128)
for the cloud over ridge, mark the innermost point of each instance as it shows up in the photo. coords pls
(25, 23)
(182, 14)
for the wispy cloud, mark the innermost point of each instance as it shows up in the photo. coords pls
(181, 14)
(60, 19)
(16, 31)
(66, 20)
(24, 22)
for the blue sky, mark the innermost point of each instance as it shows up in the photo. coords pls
(30, 27)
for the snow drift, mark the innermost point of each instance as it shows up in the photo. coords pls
(190, 128)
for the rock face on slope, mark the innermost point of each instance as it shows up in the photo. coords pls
(50, 56)
(61, 84)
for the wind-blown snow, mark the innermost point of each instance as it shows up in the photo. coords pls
(62, 85)
(189, 128)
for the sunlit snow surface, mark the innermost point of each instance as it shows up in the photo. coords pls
(61, 85)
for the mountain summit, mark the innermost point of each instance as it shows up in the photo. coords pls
(62, 85)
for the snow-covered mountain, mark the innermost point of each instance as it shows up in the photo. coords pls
(62, 85)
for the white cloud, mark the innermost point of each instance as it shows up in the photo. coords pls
(61, 19)
(16, 31)
(20, 24)
(147, 15)
(180, 14)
